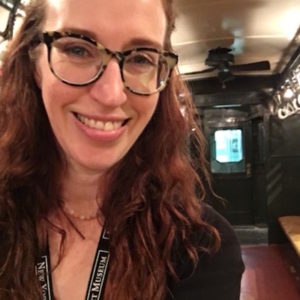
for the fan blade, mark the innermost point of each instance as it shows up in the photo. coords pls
(256, 66)
(201, 71)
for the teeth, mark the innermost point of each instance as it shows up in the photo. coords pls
(108, 126)
(100, 125)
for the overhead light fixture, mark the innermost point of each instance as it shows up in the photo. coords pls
(287, 97)
(297, 75)
(288, 93)
(227, 105)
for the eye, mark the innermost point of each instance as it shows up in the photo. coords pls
(143, 58)
(76, 49)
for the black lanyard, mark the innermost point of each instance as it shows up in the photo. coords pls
(97, 278)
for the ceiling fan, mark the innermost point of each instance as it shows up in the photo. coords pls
(222, 60)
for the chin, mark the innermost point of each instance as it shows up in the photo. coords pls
(96, 161)
(99, 166)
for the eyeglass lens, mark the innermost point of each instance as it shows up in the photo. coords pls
(77, 61)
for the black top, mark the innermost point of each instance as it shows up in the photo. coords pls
(217, 277)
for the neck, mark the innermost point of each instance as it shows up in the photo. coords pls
(81, 193)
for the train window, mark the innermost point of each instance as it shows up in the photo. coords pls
(227, 151)
(229, 145)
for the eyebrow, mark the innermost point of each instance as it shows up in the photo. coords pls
(143, 42)
(134, 42)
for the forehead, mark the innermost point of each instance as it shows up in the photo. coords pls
(112, 22)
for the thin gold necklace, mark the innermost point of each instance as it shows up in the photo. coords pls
(70, 212)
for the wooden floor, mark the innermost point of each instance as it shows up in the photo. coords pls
(271, 273)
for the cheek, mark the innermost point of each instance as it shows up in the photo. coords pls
(145, 107)
(56, 97)
(55, 93)
(51, 95)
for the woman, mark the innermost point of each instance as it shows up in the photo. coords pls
(93, 143)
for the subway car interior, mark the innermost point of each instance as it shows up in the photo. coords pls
(241, 62)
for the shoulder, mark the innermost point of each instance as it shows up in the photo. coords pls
(216, 276)
(230, 251)
(228, 259)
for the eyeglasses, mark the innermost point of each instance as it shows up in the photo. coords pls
(78, 60)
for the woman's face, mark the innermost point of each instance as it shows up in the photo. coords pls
(77, 113)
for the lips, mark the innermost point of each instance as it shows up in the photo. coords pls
(107, 125)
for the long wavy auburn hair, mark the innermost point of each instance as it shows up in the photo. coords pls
(149, 205)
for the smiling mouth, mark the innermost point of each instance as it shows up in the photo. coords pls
(100, 125)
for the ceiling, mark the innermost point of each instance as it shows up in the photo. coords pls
(255, 30)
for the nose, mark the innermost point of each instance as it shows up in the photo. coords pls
(109, 89)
